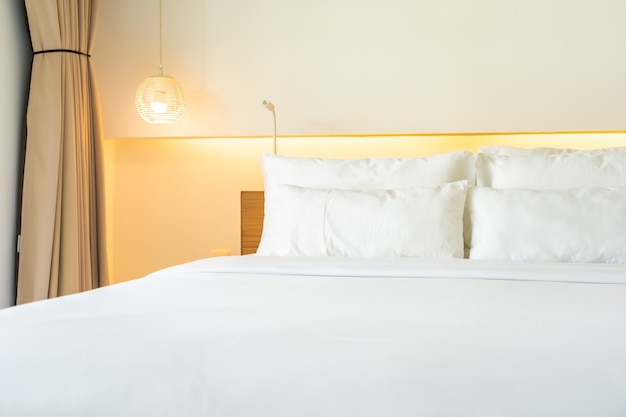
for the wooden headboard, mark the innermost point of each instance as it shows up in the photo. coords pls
(252, 211)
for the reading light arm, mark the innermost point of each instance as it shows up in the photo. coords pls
(268, 105)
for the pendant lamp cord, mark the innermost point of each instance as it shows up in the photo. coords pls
(161, 37)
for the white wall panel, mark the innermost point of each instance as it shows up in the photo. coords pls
(369, 66)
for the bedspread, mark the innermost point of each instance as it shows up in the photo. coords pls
(269, 336)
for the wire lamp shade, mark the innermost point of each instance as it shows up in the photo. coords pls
(160, 98)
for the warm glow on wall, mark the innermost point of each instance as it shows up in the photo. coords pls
(176, 200)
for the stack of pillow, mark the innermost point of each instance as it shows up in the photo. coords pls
(502, 203)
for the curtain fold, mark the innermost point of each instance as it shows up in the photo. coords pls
(63, 248)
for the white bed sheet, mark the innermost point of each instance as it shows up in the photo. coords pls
(264, 336)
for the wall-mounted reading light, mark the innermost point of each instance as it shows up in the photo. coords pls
(160, 98)
(268, 105)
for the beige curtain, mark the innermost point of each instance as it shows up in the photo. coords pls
(62, 223)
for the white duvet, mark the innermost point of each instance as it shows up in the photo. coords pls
(298, 337)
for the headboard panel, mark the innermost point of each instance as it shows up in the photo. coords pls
(252, 211)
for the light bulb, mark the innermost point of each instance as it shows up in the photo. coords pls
(160, 99)
(159, 103)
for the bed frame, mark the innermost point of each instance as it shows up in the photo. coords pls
(252, 212)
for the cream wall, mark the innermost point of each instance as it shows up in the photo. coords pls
(176, 200)
(375, 66)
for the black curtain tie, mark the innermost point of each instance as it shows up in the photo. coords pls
(62, 50)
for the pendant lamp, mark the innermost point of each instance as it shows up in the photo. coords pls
(160, 98)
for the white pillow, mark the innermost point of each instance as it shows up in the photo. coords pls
(415, 222)
(368, 173)
(567, 225)
(546, 170)
(514, 151)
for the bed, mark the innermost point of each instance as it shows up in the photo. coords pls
(463, 284)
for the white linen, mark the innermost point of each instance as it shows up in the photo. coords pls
(546, 170)
(568, 225)
(368, 173)
(358, 174)
(422, 222)
(515, 151)
(278, 337)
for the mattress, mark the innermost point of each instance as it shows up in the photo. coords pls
(329, 336)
